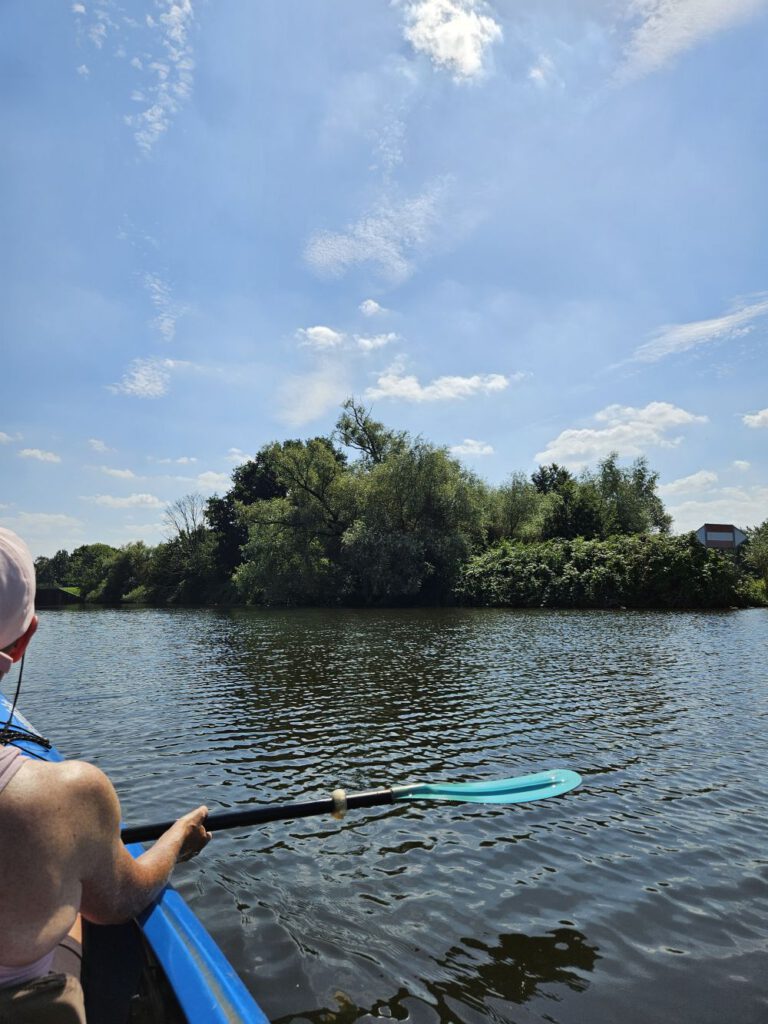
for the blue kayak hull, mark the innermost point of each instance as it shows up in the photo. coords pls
(204, 985)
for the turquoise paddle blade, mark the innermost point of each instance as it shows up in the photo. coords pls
(519, 790)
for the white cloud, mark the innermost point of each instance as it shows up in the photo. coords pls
(669, 27)
(370, 343)
(741, 465)
(183, 460)
(83, 71)
(237, 455)
(756, 419)
(121, 474)
(210, 481)
(675, 338)
(45, 532)
(452, 33)
(78, 8)
(701, 481)
(168, 312)
(5, 438)
(742, 506)
(132, 501)
(369, 307)
(172, 74)
(628, 431)
(544, 73)
(393, 384)
(472, 448)
(99, 446)
(319, 337)
(39, 454)
(389, 237)
(146, 378)
(306, 398)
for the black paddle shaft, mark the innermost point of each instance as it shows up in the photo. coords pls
(261, 815)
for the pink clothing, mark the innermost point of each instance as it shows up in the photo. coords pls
(10, 761)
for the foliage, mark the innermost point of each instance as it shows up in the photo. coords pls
(373, 516)
(641, 571)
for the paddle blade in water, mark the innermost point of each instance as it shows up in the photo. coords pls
(497, 791)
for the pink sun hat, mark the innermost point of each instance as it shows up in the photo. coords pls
(17, 592)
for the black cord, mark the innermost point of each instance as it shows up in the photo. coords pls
(13, 733)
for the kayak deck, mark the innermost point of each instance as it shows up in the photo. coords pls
(164, 964)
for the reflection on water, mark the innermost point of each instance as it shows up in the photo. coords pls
(641, 896)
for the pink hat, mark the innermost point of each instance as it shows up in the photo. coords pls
(17, 592)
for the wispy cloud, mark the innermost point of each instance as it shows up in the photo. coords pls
(168, 311)
(372, 342)
(741, 464)
(146, 378)
(131, 501)
(320, 338)
(471, 448)
(5, 438)
(166, 62)
(667, 28)
(99, 446)
(39, 455)
(369, 307)
(210, 481)
(120, 474)
(544, 73)
(237, 455)
(304, 398)
(756, 419)
(394, 384)
(627, 430)
(182, 460)
(743, 506)
(701, 481)
(172, 74)
(389, 237)
(455, 34)
(675, 338)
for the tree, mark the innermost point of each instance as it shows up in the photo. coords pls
(185, 519)
(551, 478)
(630, 503)
(756, 554)
(356, 429)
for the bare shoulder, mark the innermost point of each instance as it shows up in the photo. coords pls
(75, 783)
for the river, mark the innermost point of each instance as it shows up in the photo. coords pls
(642, 896)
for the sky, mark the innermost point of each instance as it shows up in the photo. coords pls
(527, 232)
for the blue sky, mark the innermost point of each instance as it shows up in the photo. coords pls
(527, 232)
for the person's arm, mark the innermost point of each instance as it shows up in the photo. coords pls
(115, 886)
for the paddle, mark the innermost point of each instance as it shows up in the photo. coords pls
(498, 791)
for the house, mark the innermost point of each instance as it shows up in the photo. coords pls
(724, 536)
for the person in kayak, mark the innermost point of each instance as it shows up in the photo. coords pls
(60, 849)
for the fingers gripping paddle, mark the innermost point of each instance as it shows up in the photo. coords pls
(498, 791)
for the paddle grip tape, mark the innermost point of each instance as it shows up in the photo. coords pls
(339, 797)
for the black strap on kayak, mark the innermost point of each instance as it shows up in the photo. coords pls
(16, 734)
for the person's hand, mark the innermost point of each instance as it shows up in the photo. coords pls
(195, 836)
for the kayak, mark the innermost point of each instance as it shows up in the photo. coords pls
(162, 968)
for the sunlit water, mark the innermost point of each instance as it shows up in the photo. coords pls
(641, 896)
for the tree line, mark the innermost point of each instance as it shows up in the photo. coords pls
(373, 516)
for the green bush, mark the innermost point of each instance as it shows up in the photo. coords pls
(641, 571)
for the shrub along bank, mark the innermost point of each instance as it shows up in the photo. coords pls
(642, 571)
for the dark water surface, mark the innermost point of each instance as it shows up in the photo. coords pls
(641, 896)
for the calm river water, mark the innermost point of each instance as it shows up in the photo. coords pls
(642, 896)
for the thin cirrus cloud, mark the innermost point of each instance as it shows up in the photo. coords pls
(119, 474)
(741, 464)
(756, 419)
(406, 387)
(389, 237)
(623, 429)
(667, 28)
(674, 338)
(130, 501)
(701, 481)
(165, 61)
(150, 378)
(39, 455)
(97, 445)
(471, 448)
(456, 35)
(168, 311)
